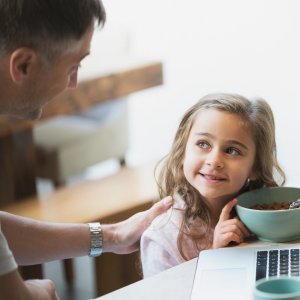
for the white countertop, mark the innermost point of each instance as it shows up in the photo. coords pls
(175, 283)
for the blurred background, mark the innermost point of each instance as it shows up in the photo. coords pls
(246, 47)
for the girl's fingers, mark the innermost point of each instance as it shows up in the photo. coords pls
(243, 228)
(232, 237)
(235, 223)
(229, 230)
(225, 213)
(235, 228)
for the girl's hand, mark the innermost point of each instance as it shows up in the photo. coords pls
(229, 230)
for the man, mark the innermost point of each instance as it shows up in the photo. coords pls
(41, 46)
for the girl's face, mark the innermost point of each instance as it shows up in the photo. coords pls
(219, 156)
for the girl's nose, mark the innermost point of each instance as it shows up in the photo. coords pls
(215, 160)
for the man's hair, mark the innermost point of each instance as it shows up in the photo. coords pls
(47, 26)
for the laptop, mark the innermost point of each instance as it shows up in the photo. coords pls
(231, 273)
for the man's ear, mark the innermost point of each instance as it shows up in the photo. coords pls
(22, 62)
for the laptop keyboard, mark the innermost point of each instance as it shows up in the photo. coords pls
(277, 262)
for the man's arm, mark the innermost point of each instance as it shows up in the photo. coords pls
(34, 242)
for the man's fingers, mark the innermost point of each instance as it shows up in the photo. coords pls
(159, 208)
(42, 288)
(149, 215)
(225, 214)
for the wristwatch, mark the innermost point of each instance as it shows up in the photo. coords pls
(96, 239)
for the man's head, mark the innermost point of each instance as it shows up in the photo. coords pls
(41, 46)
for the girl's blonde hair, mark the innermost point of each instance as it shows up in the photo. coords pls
(171, 180)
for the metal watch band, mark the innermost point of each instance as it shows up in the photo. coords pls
(96, 239)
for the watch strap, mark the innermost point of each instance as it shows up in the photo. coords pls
(96, 246)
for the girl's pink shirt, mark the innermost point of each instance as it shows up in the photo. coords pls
(159, 249)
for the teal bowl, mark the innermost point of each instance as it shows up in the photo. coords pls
(270, 225)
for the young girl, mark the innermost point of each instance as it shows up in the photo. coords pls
(224, 146)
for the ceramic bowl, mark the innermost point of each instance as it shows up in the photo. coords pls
(270, 225)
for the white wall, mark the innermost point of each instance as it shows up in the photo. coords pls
(247, 47)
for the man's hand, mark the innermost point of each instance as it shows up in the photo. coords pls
(124, 237)
(41, 289)
(229, 230)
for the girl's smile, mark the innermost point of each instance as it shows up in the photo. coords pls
(212, 178)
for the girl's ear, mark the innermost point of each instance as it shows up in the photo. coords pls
(252, 176)
(22, 61)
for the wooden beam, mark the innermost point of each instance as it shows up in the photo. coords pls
(104, 88)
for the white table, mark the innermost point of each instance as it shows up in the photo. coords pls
(175, 283)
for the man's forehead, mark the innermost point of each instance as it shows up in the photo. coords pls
(78, 50)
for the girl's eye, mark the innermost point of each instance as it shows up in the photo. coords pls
(233, 151)
(203, 145)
